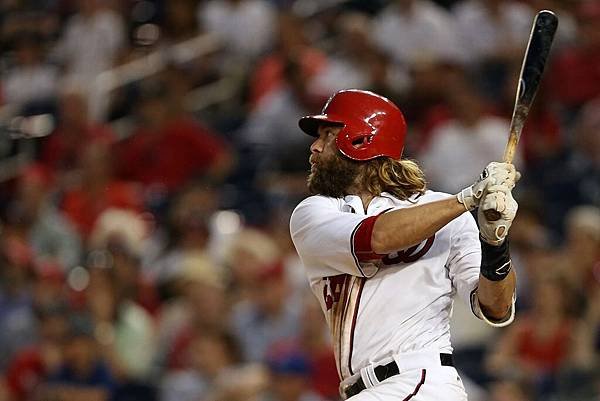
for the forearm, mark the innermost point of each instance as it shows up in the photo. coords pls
(404, 228)
(495, 297)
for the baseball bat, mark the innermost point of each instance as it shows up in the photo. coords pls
(540, 40)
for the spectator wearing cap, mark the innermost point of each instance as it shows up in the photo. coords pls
(290, 371)
(33, 217)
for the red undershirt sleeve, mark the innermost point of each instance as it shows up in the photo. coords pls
(362, 240)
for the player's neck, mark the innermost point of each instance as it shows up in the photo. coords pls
(365, 197)
(358, 189)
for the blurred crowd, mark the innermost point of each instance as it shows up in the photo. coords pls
(145, 251)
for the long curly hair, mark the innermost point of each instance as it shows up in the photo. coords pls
(401, 178)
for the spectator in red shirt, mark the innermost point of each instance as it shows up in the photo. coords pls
(576, 70)
(538, 345)
(75, 131)
(97, 190)
(169, 147)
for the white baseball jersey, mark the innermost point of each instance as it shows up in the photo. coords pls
(399, 304)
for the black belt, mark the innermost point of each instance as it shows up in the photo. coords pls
(383, 372)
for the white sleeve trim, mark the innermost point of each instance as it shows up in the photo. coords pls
(478, 312)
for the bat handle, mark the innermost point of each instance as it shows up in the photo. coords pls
(491, 215)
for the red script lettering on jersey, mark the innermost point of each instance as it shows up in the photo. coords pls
(332, 290)
(409, 255)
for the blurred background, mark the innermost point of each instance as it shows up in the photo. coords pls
(150, 159)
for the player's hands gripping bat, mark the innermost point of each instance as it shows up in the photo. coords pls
(540, 41)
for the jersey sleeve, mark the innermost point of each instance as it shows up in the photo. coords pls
(464, 264)
(326, 238)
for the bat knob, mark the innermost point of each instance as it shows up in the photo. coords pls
(491, 215)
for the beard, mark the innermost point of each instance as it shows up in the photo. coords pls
(333, 176)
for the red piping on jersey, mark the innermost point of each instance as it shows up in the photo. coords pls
(344, 297)
(354, 318)
(416, 390)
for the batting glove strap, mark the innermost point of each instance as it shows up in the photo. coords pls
(467, 199)
(495, 260)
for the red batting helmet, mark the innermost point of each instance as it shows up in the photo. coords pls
(372, 125)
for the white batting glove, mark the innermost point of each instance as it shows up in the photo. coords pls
(500, 199)
(494, 173)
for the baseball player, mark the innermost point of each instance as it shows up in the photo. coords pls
(385, 256)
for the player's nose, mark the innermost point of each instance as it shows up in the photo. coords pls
(317, 145)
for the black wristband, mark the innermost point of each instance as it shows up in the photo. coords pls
(495, 260)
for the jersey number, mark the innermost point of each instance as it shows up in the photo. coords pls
(408, 255)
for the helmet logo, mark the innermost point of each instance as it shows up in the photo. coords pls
(375, 119)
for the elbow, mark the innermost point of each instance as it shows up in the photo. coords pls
(496, 313)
